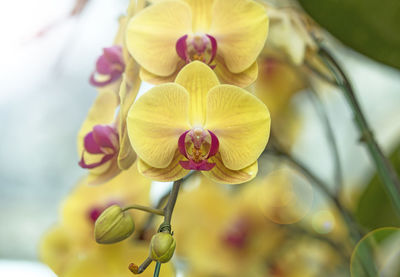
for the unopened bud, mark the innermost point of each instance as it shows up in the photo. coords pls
(113, 225)
(162, 247)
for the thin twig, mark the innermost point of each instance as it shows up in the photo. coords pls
(385, 170)
(145, 209)
(319, 106)
(355, 232)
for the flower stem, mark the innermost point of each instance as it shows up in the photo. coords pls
(145, 209)
(385, 170)
(338, 174)
(169, 208)
(157, 269)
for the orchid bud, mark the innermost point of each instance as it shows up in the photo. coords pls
(113, 225)
(162, 247)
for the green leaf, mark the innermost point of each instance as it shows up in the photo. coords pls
(375, 209)
(370, 27)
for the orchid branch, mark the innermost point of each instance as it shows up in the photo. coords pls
(385, 169)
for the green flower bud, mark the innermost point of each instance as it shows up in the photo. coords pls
(162, 247)
(113, 225)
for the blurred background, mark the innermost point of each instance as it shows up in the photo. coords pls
(46, 95)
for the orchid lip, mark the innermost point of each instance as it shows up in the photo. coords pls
(198, 145)
(109, 67)
(102, 140)
(237, 235)
(202, 47)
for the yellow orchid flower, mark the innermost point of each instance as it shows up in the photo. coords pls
(222, 233)
(103, 140)
(74, 236)
(113, 261)
(290, 32)
(198, 124)
(81, 209)
(227, 35)
(306, 257)
(277, 83)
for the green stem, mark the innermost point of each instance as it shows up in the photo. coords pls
(169, 208)
(385, 170)
(319, 106)
(145, 209)
(157, 269)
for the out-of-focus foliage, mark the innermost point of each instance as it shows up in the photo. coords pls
(368, 26)
(382, 246)
(375, 209)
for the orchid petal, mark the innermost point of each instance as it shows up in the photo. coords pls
(240, 121)
(126, 155)
(103, 173)
(101, 112)
(198, 78)
(152, 34)
(221, 174)
(155, 122)
(174, 171)
(240, 27)
(242, 79)
(154, 79)
(201, 10)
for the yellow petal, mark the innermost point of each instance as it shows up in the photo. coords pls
(221, 174)
(198, 78)
(101, 112)
(155, 122)
(277, 75)
(113, 260)
(201, 10)
(240, 28)
(242, 79)
(128, 93)
(152, 34)
(241, 122)
(174, 171)
(154, 79)
(127, 188)
(110, 170)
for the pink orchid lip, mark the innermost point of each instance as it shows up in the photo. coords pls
(96, 211)
(103, 139)
(187, 48)
(203, 164)
(110, 64)
(237, 235)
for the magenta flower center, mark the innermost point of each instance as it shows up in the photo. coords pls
(198, 145)
(109, 67)
(197, 47)
(237, 234)
(102, 141)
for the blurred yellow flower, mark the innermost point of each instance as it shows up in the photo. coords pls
(277, 83)
(222, 233)
(227, 35)
(113, 261)
(81, 209)
(198, 124)
(290, 32)
(73, 238)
